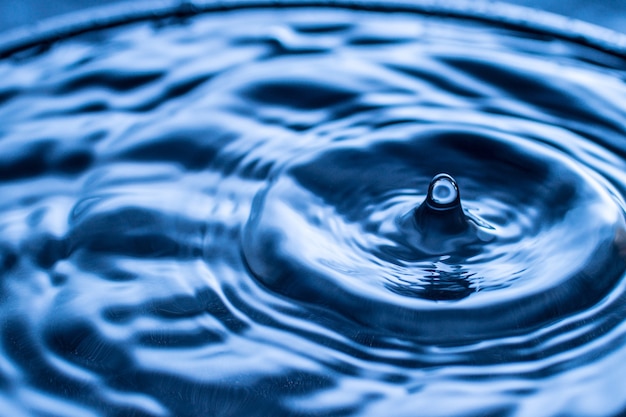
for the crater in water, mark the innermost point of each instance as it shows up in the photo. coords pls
(339, 227)
(329, 211)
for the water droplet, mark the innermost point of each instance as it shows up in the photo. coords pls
(441, 212)
(443, 191)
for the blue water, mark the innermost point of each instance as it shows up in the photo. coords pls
(220, 216)
(13, 14)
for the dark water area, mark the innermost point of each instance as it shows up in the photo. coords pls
(229, 215)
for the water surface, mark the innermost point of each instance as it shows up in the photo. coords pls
(213, 216)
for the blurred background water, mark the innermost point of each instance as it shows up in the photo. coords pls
(607, 13)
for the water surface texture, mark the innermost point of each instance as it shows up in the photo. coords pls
(216, 216)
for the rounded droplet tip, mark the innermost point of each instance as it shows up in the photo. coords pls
(443, 191)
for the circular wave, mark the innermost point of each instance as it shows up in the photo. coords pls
(223, 213)
(333, 229)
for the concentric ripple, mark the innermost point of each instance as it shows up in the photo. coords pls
(222, 214)
(337, 227)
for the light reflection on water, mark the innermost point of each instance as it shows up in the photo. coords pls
(208, 217)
